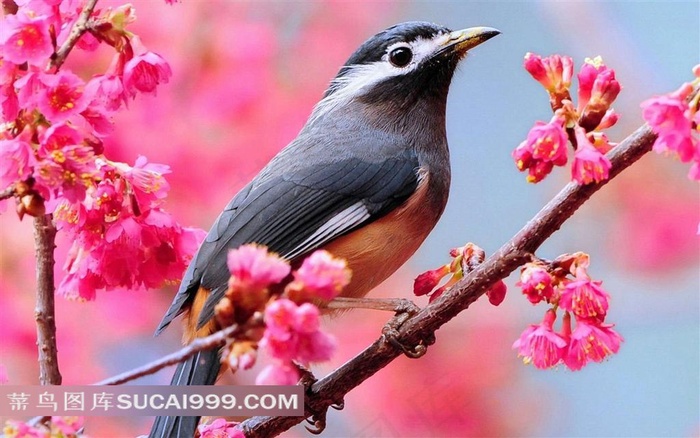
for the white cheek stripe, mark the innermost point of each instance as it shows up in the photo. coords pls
(358, 78)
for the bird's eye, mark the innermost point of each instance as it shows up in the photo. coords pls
(401, 56)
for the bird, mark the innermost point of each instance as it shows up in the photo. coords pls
(366, 179)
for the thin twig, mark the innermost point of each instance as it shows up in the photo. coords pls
(332, 388)
(79, 28)
(215, 340)
(44, 245)
(8, 193)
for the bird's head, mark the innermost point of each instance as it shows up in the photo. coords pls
(402, 65)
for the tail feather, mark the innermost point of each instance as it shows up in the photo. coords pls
(200, 369)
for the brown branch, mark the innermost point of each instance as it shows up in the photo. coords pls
(44, 245)
(332, 388)
(210, 342)
(79, 28)
(8, 193)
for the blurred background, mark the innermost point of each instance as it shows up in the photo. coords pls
(245, 77)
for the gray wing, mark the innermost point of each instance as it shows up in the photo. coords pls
(293, 214)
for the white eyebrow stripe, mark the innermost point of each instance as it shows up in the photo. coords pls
(363, 76)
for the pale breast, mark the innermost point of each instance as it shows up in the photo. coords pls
(377, 250)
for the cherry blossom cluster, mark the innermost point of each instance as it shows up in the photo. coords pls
(565, 285)
(58, 427)
(581, 126)
(220, 428)
(464, 260)
(675, 118)
(52, 155)
(260, 283)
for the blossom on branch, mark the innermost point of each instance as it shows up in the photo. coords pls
(676, 121)
(536, 283)
(292, 324)
(545, 147)
(590, 165)
(52, 151)
(24, 37)
(145, 71)
(580, 296)
(220, 428)
(554, 73)
(540, 345)
(464, 260)
(547, 144)
(590, 341)
(597, 89)
(319, 276)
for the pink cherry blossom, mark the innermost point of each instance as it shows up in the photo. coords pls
(145, 71)
(544, 148)
(62, 96)
(591, 341)
(293, 333)
(610, 118)
(30, 88)
(604, 92)
(589, 163)
(16, 160)
(68, 426)
(670, 118)
(497, 293)
(322, 276)
(278, 374)
(109, 90)
(25, 38)
(220, 428)
(115, 246)
(553, 72)
(427, 281)
(147, 180)
(549, 141)
(9, 102)
(540, 345)
(67, 171)
(307, 318)
(590, 70)
(13, 428)
(585, 299)
(253, 267)
(536, 283)
(280, 317)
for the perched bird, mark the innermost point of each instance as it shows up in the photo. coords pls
(366, 179)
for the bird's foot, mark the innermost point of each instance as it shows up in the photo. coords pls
(390, 333)
(317, 419)
(397, 305)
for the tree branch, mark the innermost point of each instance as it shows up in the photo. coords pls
(212, 341)
(8, 193)
(79, 28)
(332, 388)
(44, 245)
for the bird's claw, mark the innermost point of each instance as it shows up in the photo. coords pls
(390, 333)
(316, 424)
(317, 419)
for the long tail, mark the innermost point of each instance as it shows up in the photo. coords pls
(200, 369)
